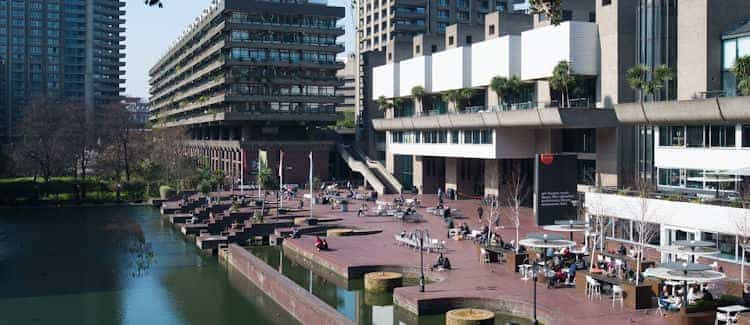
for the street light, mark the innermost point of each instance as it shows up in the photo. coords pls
(534, 271)
(420, 235)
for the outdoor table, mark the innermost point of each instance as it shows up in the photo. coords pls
(524, 269)
(495, 253)
(728, 311)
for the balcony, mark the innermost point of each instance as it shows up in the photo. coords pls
(451, 69)
(385, 81)
(494, 117)
(573, 41)
(415, 72)
(495, 57)
(720, 110)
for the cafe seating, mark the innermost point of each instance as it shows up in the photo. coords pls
(617, 295)
(593, 288)
(484, 256)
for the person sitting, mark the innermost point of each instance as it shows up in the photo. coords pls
(318, 243)
(295, 233)
(572, 273)
(325, 245)
(446, 264)
(707, 296)
(622, 250)
(439, 263)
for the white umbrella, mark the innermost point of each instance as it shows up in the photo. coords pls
(685, 272)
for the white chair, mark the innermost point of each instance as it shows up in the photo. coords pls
(593, 287)
(617, 295)
(484, 256)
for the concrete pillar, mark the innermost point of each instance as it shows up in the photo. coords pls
(451, 174)
(492, 99)
(418, 173)
(543, 95)
(492, 177)
(389, 164)
(606, 157)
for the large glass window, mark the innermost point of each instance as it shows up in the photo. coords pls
(722, 136)
(672, 136)
(695, 136)
(669, 176)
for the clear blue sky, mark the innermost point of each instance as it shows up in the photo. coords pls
(149, 31)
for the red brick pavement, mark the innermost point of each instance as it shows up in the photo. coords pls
(469, 278)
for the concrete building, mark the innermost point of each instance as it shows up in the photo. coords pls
(254, 75)
(62, 49)
(471, 145)
(691, 138)
(347, 75)
(139, 110)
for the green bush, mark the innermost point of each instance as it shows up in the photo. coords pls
(166, 192)
(27, 189)
(135, 190)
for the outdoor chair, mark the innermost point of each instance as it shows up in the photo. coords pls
(593, 288)
(617, 295)
(484, 256)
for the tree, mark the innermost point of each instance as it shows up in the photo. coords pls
(121, 138)
(44, 146)
(458, 97)
(741, 70)
(506, 88)
(562, 80)
(641, 79)
(643, 229)
(550, 8)
(152, 3)
(417, 92)
(513, 193)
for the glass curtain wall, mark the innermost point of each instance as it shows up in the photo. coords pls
(656, 39)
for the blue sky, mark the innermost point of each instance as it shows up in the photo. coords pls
(149, 31)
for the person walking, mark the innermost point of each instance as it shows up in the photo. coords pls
(480, 213)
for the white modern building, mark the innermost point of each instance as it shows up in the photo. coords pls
(691, 139)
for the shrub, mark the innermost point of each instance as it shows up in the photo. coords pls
(258, 217)
(136, 190)
(166, 192)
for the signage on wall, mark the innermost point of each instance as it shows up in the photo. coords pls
(555, 187)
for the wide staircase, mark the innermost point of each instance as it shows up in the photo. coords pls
(373, 171)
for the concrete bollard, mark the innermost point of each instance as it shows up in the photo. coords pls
(469, 316)
(383, 281)
(340, 232)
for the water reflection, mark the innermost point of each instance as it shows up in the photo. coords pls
(114, 266)
(350, 298)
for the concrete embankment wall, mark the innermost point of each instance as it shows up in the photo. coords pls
(300, 303)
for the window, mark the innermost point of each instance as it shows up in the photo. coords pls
(567, 15)
(669, 177)
(454, 136)
(433, 48)
(477, 137)
(417, 49)
(746, 135)
(492, 30)
(450, 40)
(722, 136)
(695, 137)
(592, 17)
(606, 2)
(672, 136)
(468, 39)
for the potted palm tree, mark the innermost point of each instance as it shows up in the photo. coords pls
(638, 79)
(562, 80)
(506, 88)
(417, 92)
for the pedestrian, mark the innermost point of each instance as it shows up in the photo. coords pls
(480, 212)
(440, 196)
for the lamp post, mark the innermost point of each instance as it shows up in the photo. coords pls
(534, 270)
(420, 235)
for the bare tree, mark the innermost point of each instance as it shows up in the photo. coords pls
(513, 193)
(742, 226)
(45, 137)
(643, 230)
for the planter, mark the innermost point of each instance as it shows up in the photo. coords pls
(513, 260)
(469, 316)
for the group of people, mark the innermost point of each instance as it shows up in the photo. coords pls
(321, 244)
(672, 300)
(443, 263)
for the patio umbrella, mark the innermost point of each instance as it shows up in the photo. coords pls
(685, 272)
(569, 226)
(694, 247)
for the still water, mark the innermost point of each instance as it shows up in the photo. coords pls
(118, 265)
(350, 299)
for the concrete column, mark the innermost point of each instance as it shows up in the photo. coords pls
(543, 95)
(451, 174)
(606, 157)
(492, 177)
(492, 99)
(418, 173)
(389, 164)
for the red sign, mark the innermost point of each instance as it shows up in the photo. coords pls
(546, 158)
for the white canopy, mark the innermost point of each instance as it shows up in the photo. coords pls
(549, 243)
(689, 276)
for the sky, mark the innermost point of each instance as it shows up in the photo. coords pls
(150, 30)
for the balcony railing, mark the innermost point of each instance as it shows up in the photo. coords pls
(727, 199)
(506, 107)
